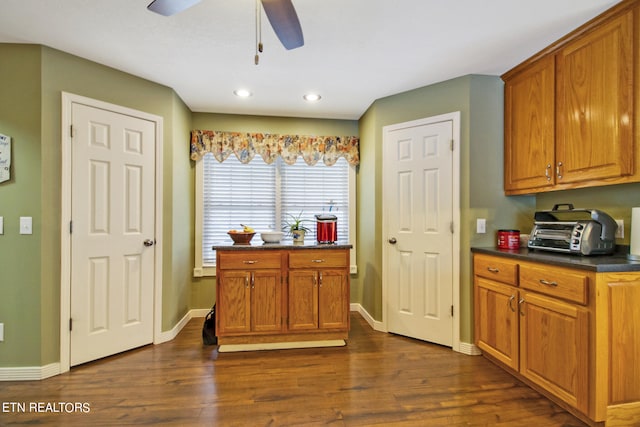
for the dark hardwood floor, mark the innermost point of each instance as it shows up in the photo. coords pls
(377, 379)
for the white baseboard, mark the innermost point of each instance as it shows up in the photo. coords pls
(469, 349)
(29, 373)
(171, 334)
(465, 347)
(33, 373)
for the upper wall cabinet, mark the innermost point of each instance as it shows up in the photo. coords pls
(569, 110)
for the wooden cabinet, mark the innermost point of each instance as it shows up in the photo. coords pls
(554, 347)
(572, 334)
(271, 295)
(250, 293)
(529, 150)
(569, 110)
(318, 290)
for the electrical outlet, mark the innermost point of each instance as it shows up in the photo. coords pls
(1, 332)
(1, 225)
(620, 230)
(481, 226)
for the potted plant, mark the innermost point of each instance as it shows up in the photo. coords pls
(295, 227)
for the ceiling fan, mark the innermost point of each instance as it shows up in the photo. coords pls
(281, 13)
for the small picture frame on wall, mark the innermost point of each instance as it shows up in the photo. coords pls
(5, 157)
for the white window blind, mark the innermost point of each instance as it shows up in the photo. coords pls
(263, 196)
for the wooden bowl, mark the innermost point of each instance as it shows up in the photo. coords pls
(241, 238)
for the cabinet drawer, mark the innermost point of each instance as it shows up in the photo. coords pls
(318, 258)
(248, 260)
(499, 269)
(559, 282)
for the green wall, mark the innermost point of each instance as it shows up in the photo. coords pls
(203, 289)
(616, 200)
(31, 81)
(20, 255)
(480, 102)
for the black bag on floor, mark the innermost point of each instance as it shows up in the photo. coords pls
(209, 328)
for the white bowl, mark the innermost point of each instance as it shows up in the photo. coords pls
(271, 236)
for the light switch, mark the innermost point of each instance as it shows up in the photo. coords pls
(26, 225)
(1, 331)
(1, 225)
(481, 225)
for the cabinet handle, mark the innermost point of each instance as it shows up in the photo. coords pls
(511, 298)
(250, 262)
(317, 260)
(320, 275)
(547, 172)
(558, 170)
(519, 305)
(493, 269)
(548, 283)
(315, 280)
(253, 280)
(246, 281)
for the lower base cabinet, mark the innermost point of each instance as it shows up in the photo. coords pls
(269, 295)
(572, 334)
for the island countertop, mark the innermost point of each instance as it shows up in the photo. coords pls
(615, 263)
(288, 245)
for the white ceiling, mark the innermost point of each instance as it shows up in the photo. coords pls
(356, 51)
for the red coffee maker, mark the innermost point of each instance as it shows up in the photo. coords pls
(326, 228)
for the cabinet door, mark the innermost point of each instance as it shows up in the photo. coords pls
(595, 104)
(266, 301)
(303, 300)
(233, 309)
(333, 299)
(529, 127)
(496, 320)
(554, 340)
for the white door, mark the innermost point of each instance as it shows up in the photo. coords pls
(418, 211)
(112, 233)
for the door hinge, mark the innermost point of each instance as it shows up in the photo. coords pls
(451, 144)
(70, 227)
(70, 324)
(71, 132)
(451, 311)
(451, 227)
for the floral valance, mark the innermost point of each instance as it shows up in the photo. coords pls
(270, 146)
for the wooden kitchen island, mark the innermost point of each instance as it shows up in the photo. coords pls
(272, 296)
(567, 325)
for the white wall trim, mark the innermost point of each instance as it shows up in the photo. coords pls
(29, 373)
(171, 334)
(375, 325)
(65, 239)
(470, 349)
(454, 117)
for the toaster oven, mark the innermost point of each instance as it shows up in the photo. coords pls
(574, 231)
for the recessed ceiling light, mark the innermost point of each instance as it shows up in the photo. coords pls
(242, 93)
(312, 97)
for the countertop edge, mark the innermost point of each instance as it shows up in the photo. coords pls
(280, 246)
(615, 263)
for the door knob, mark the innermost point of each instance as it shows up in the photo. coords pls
(393, 241)
(148, 242)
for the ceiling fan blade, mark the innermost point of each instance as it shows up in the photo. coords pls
(284, 20)
(170, 7)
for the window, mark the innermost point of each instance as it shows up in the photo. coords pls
(263, 196)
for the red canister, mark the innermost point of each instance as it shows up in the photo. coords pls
(508, 239)
(327, 228)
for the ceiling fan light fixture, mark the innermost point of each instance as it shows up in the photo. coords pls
(312, 97)
(242, 93)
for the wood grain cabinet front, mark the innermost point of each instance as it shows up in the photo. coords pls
(318, 290)
(273, 295)
(572, 334)
(249, 293)
(570, 110)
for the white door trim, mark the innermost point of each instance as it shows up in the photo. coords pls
(455, 119)
(65, 218)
